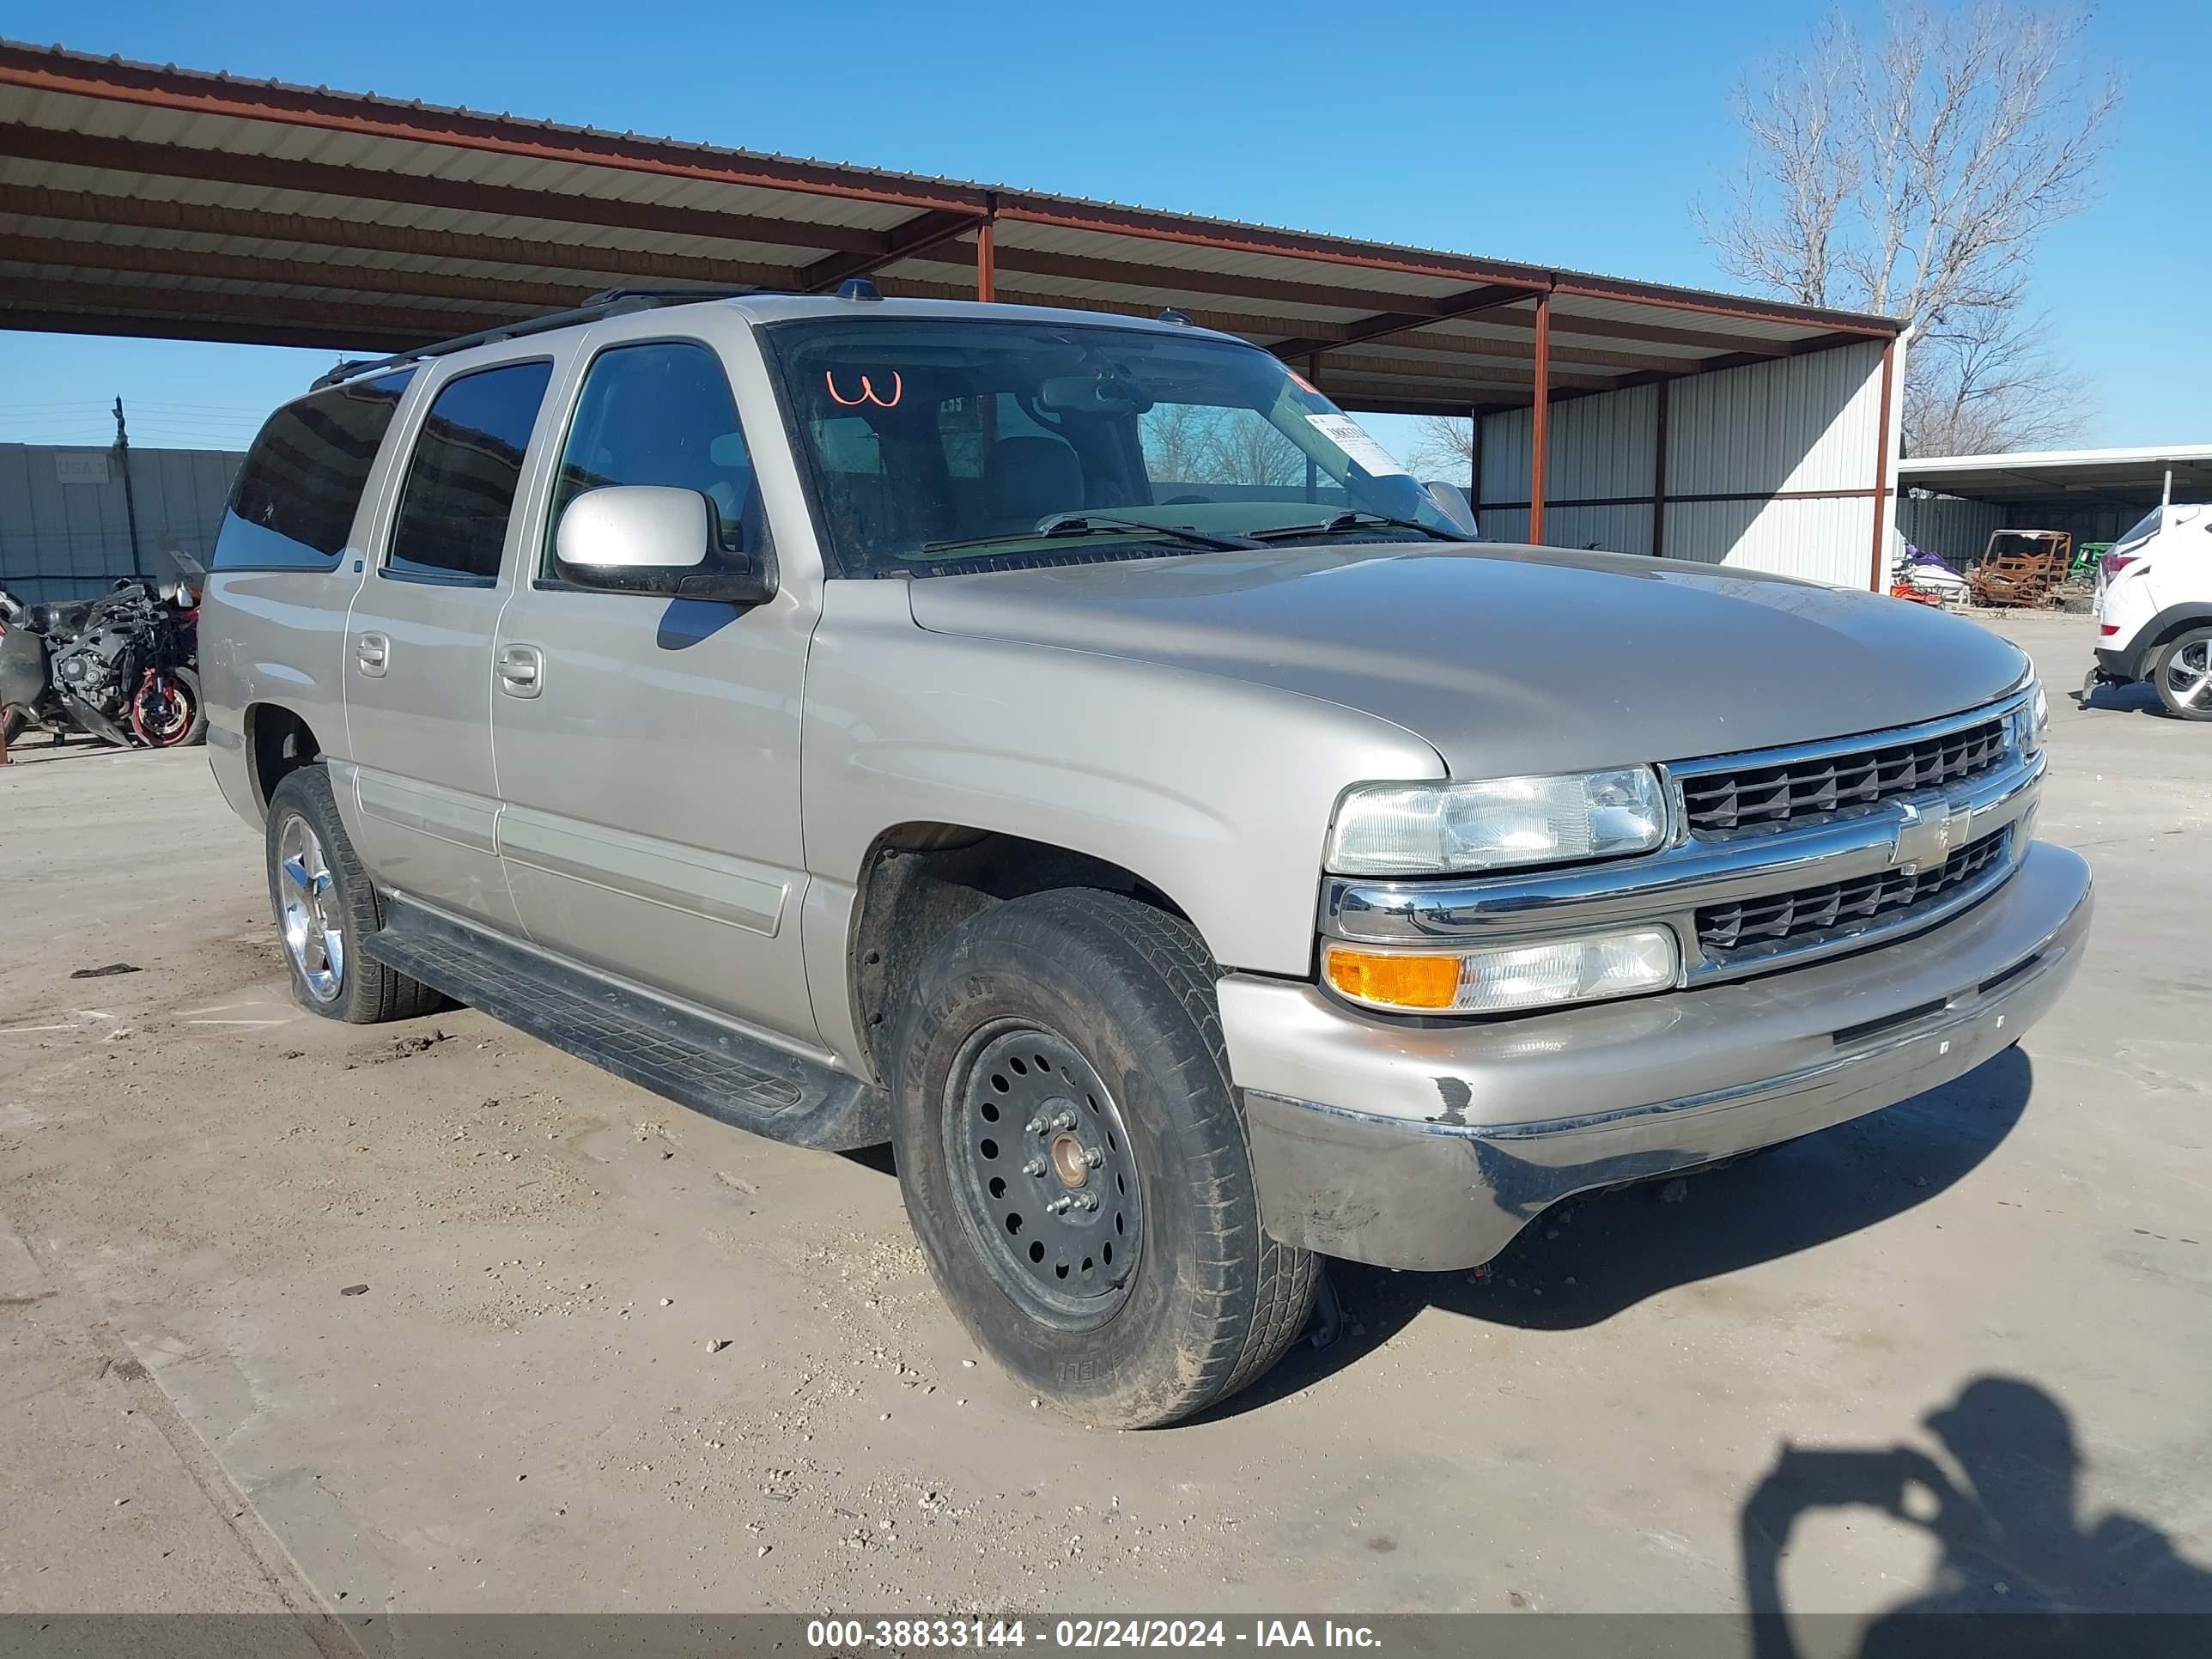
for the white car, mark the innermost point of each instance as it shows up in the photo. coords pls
(2154, 610)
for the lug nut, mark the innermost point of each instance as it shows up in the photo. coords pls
(1035, 1166)
(1089, 1200)
(1065, 1120)
(1093, 1157)
(1037, 1124)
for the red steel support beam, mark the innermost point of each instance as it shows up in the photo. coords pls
(1540, 420)
(1878, 578)
(1486, 298)
(916, 235)
(986, 268)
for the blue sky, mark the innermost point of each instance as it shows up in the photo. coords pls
(1570, 135)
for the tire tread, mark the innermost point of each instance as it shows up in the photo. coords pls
(1255, 1302)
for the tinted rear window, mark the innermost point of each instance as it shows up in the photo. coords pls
(292, 508)
(462, 480)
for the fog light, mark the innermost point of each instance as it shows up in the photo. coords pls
(1506, 978)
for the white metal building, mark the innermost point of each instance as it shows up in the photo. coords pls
(1952, 504)
(1775, 466)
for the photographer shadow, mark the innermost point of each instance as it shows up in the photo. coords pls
(2020, 1573)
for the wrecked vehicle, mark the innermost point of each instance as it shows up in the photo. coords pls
(1069, 749)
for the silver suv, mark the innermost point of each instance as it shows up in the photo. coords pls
(1069, 749)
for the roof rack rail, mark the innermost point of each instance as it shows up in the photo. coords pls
(608, 302)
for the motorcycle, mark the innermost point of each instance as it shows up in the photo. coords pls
(123, 667)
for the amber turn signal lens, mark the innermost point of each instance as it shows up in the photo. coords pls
(1401, 982)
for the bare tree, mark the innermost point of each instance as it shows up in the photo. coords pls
(1195, 443)
(1915, 177)
(1444, 447)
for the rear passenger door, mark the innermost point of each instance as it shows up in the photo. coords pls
(418, 665)
(648, 745)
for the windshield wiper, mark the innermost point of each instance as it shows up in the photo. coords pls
(1352, 521)
(1084, 524)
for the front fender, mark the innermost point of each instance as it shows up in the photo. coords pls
(1216, 790)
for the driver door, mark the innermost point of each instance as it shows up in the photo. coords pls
(647, 747)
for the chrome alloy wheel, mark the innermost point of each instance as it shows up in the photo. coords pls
(2189, 675)
(312, 936)
(1043, 1174)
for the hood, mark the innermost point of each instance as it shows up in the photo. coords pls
(1511, 660)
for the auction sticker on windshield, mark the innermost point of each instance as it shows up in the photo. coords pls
(1348, 435)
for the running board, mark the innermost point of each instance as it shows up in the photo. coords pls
(695, 1061)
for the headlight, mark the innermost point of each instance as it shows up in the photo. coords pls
(2032, 722)
(1442, 828)
(1495, 979)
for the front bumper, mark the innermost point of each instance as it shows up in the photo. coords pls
(1413, 1146)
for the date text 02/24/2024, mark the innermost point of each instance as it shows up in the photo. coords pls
(853, 1635)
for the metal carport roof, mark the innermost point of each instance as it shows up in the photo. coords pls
(147, 200)
(2053, 475)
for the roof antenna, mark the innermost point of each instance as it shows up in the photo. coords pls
(859, 288)
(1176, 314)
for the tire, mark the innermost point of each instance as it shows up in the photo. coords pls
(1122, 994)
(304, 826)
(181, 724)
(2183, 675)
(13, 720)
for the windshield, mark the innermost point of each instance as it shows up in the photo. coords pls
(940, 441)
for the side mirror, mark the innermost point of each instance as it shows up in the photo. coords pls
(1451, 501)
(649, 539)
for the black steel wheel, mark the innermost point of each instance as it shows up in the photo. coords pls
(1043, 1176)
(1073, 1159)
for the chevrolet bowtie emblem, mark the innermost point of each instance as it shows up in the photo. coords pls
(1929, 835)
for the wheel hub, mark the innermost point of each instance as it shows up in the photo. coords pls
(1071, 1160)
(1041, 1172)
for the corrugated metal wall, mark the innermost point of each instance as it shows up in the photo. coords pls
(1743, 438)
(1957, 532)
(65, 532)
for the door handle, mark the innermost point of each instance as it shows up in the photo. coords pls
(372, 651)
(522, 669)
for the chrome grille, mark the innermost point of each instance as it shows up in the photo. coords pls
(1754, 926)
(1795, 791)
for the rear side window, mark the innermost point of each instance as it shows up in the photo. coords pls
(461, 481)
(292, 507)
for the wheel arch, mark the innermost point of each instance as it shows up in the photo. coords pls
(278, 740)
(2162, 630)
(922, 878)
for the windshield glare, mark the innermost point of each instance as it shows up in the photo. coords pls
(921, 433)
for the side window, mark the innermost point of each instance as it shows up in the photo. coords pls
(292, 507)
(660, 414)
(460, 485)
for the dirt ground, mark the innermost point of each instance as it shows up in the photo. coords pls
(431, 1317)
